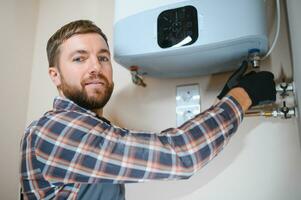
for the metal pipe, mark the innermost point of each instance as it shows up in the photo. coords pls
(282, 113)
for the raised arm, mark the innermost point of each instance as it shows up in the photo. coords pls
(80, 148)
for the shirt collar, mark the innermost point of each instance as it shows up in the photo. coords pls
(61, 103)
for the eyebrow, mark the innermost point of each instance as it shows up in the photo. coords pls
(104, 51)
(80, 51)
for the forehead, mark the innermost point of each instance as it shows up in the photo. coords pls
(91, 42)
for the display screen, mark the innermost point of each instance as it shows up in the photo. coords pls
(177, 27)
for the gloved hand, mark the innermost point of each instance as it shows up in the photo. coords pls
(260, 87)
(234, 79)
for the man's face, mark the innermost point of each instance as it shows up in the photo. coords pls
(85, 71)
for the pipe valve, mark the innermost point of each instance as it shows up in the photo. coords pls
(136, 78)
(283, 112)
(254, 58)
(284, 88)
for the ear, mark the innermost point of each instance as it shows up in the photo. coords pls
(55, 76)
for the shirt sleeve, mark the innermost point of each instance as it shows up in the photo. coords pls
(76, 148)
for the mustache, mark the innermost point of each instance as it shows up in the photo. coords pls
(95, 78)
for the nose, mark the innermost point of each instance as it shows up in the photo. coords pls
(95, 67)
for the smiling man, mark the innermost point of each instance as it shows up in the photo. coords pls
(72, 152)
(81, 68)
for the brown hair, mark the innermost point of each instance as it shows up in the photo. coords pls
(67, 31)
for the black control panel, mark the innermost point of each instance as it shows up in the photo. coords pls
(175, 25)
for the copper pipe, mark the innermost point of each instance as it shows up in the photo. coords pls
(258, 114)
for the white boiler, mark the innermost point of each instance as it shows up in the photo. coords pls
(175, 38)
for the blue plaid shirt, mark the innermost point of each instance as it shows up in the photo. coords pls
(69, 146)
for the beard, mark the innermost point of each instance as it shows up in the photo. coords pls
(81, 97)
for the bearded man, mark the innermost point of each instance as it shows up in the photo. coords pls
(72, 152)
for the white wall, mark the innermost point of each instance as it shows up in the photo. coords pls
(17, 21)
(263, 160)
(294, 15)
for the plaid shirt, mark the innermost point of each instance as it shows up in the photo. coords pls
(70, 146)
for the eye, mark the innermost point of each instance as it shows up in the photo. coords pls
(103, 59)
(78, 59)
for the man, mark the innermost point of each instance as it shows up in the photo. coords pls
(72, 152)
